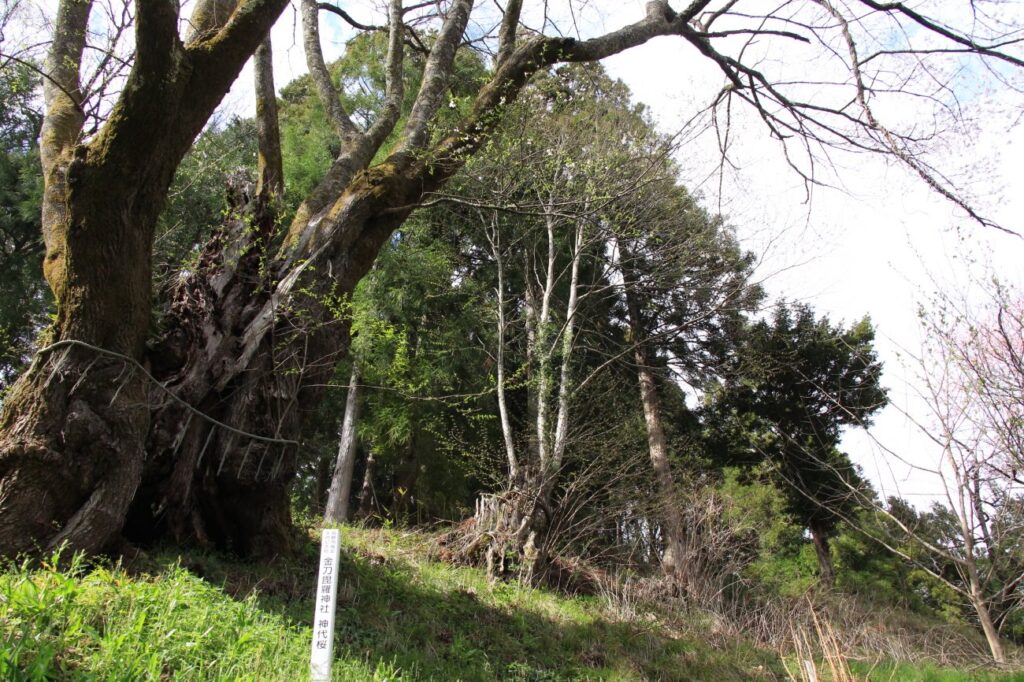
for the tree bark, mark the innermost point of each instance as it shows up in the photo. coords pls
(674, 533)
(962, 501)
(995, 644)
(824, 554)
(402, 497)
(341, 482)
(73, 429)
(366, 494)
(494, 238)
(270, 170)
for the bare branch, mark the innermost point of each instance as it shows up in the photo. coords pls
(932, 25)
(337, 11)
(897, 148)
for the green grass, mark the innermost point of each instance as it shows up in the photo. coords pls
(905, 672)
(104, 625)
(400, 616)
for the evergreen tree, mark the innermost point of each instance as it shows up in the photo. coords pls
(24, 298)
(794, 384)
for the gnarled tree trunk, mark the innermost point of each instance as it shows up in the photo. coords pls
(73, 429)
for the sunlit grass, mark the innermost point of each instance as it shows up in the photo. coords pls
(401, 615)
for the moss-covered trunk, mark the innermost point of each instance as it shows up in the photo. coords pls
(220, 475)
(74, 427)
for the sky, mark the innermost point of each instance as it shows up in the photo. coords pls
(880, 244)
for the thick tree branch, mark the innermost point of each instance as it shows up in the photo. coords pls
(153, 106)
(208, 17)
(507, 32)
(525, 60)
(217, 61)
(62, 88)
(156, 37)
(329, 96)
(436, 75)
(64, 118)
(395, 85)
(270, 183)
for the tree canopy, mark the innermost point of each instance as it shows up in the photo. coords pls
(794, 384)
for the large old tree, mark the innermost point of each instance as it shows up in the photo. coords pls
(188, 425)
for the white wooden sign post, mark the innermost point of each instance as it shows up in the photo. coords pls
(323, 613)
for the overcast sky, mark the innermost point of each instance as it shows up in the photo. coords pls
(880, 245)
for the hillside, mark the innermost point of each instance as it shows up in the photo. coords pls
(401, 615)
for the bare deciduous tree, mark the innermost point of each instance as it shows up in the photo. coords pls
(971, 380)
(973, 384)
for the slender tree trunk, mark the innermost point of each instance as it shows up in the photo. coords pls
(405, 479)
(530, 315)
(673, 556)
(321, 486)
(494, 238)
(519, 520)
(366, 495)
(824, 553)
(995, 644)
(963, 503)
(560, 441)
(341, 482)
(544, 349)
(269, 167)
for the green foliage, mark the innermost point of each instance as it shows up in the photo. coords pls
(918, 672)
(101, 624)
(25, 299)
(795, 382)
(414, 319)
(407, 314)
(783, 564)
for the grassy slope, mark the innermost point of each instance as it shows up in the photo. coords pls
(400, 616)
